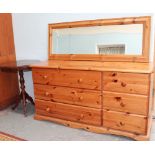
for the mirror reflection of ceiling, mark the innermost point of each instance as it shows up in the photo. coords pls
(113, 39)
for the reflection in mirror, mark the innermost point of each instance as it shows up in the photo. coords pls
(113, 39)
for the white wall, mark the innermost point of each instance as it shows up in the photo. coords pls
(31, 31)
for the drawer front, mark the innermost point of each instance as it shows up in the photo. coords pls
(124, 122)
(70, 78)
(69, 112)
(88, 98)
(130, 103)
(126, 82)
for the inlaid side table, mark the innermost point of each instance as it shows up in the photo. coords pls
(20, 67)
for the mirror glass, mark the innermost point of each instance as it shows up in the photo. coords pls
(110, 39)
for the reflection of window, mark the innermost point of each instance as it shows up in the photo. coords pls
(111, 49)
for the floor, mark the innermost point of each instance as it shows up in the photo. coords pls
(13, 122)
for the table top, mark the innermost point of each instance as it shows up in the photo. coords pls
(18, 65)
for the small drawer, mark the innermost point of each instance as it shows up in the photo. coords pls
(126, 82)
(130, 103)
(83, 97)
(125, 122)
(69, 112)
(70, 78)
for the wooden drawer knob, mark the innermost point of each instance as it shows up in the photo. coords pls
(121, 123)
(81, 98)
(48, 109)
(74, 92)
(45, 76)
(122, 104)
(114, 74)
(115, 80)
(80, 80)
(46, 93)
(82, 116)
(123, 84)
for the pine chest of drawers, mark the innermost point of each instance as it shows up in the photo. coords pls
(99, 99)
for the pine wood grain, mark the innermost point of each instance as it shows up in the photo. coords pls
(70, 78)
(126, 82)
(96, 66)
(144, 57)
(82, 97)
(69, 112)
(125, 122)
(129, 103)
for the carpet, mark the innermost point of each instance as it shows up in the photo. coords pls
(7, 137)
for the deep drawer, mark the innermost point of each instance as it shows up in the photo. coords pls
(126, 82)
(70, 78)
(69, 112)
(130, 103)
(88, 98)
(124, 122)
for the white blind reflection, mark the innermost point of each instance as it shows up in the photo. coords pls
(111, 49)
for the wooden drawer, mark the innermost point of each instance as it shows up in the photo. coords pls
(124, 122)
(89, 98)
(69, 112)
(70, 78)
(130, 103)
(126, 82)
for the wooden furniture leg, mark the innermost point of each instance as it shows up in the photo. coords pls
(29, 98)
(17, 102)
(23, 92)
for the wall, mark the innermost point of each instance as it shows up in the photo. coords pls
(31, 31)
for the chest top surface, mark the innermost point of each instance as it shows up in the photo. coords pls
(97, 66)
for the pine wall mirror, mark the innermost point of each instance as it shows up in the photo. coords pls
(119, 39)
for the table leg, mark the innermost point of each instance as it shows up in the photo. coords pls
(22, 86)
(29, 98)
(17, 102)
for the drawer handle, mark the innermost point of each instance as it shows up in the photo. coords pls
(122, 104)
(45, 76)
(81, 98)
(47, 94)
(80, 80)
(123, 84)
(48, 109)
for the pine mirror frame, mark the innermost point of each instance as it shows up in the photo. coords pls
(145, 20)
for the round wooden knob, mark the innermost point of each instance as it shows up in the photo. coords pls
(82, 116)
(123, 84)
(48, 109)
(80, 80)
(115, 80)
(81, 98)
(121, 123)
(114, 74)
(122, 104)
(45, 76)
(47, 93)
(74, 92)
